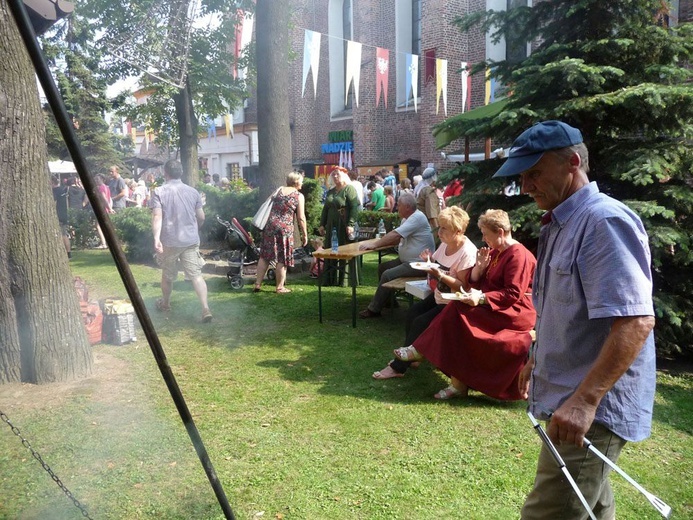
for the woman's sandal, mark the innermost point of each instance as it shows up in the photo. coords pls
(386, 373)
(448, 393)
(256, 288)
(407, 354)
(283, 290)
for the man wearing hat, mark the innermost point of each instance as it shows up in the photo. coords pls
(592, 371)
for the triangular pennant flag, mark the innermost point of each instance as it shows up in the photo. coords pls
(237, 42)
(341, 157)
(353, 70)
(311, 59)
(487, 87)
(349, 164)
(211, 129)
(442, 84)
(382, 70)
(466, 88)
(412, 78)
(229, 125)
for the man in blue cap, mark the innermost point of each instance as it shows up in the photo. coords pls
(592, 372)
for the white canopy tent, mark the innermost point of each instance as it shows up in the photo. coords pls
(61, 167)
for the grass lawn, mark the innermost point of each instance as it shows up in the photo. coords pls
(294, 424)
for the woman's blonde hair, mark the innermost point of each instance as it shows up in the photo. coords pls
(495, 220)
(388, 190)
(455, 218)
(294, 179)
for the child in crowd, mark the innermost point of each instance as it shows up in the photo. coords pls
(316, 265)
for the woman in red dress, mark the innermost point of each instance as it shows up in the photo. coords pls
(278, 236)
(482, 341)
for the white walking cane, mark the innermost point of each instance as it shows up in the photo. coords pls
(659, 504)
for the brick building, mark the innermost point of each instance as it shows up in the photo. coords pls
(382, 135)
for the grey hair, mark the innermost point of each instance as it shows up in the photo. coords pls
(173, 169)
(581, 150)
(407, 199)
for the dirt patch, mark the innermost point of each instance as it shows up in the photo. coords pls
(111, 377)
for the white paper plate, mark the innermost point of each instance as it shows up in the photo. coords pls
(457, 295)
(424, 266)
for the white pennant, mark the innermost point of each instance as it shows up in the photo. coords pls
(311, 59)
(465, 75)
(353, 70)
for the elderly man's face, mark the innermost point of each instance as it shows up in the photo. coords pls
(550, 181)
(113, 172)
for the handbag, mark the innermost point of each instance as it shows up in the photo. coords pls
(262, 215)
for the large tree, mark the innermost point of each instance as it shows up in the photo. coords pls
(614, 70)
(42, 338)
(274, 134)
(75, 63)
(156, 30)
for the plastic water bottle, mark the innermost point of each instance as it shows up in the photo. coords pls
(381, 229)
(335, 240)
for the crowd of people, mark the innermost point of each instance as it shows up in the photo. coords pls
(586, 297)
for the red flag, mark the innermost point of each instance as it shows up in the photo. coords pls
(382, 69)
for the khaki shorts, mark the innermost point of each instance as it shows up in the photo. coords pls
(191, 262)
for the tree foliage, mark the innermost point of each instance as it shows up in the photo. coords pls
(172, 113)
(610, 69)
(75, 64)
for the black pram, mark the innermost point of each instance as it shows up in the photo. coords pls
(243, 252)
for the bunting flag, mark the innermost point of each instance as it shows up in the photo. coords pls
(341, 158)
(442, 84)
(487, 87)
(228, 122)
(349, 163)
(237, 42)
(466, 88)
(382, 69)
(211, 129)
(412, 78)
(146, 138)
(311, 59)
(133, 133)
(353, 69)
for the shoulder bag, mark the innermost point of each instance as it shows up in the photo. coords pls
(262, 216)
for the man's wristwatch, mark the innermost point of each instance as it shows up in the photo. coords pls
(482, 299)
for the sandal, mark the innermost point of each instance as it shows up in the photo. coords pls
(448, 393)
(161, 307)
(256, 288)
(408, 354)
(386, 373)
(283, 290)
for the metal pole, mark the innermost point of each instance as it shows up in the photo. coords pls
(65, 124)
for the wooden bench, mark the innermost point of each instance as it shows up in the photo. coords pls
(398, 285)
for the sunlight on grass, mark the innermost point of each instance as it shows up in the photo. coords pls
(294, 424)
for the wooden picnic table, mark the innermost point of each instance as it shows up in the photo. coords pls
(348, 253)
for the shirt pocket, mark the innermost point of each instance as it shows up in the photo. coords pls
(561, 279)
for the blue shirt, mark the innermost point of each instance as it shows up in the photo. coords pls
(593, 266)
(416, 236)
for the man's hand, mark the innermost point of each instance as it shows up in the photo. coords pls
(367, 246)
(525, 375)
(570, 422)
(158, 247)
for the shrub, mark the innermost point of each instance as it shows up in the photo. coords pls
(83, 225)
(369, 218)
(134, 229)
(239, 201)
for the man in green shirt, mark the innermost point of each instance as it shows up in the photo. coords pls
(377, 196)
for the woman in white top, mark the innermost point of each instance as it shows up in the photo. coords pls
(456, 257)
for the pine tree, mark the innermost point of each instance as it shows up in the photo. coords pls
(75, 63)
(616, 72)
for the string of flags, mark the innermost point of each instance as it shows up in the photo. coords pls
(311, 63)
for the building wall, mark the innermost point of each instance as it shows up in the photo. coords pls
(381, 135)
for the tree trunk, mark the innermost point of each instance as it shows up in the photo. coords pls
(187, 128)
(274, 134)
(42, 338)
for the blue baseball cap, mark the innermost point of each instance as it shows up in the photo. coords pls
(533, 142)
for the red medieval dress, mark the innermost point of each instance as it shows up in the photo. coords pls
(486, 346)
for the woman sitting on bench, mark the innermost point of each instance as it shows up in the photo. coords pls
(456, 257)
(482, 341)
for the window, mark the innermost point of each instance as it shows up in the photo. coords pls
(233, 171)
(408, 41)
(340, 28)
(515, 48)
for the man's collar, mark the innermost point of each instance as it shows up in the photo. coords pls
(565, 209)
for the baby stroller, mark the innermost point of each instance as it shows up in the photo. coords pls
(243, 252)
